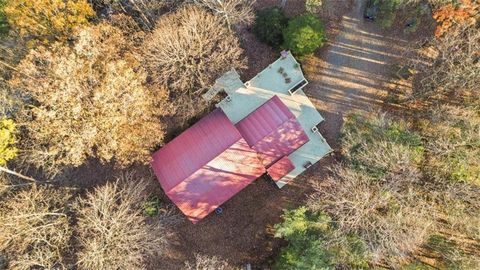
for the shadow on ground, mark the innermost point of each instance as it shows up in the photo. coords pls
(354, 74)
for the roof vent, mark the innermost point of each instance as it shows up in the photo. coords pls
(307, 164)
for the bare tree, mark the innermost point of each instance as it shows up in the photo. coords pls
(452, 64)
(203, 262)
(453, 136)
(9, 101)
(459, 210)
(132, 31)
(35, 228)
(313, 6)
(393, 220)
(234, 12)
(383, 147)
(187, 51)
(144, 11)
(12, 50)
(113, 233)
(457, 235)
(377, 192)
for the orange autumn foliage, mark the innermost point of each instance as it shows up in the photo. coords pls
(451, 14)
(91, 100)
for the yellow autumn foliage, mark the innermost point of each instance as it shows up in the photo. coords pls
(47, 18)
(7, 141)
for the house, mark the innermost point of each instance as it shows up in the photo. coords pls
(264, 126)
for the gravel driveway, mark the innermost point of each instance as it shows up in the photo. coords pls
(353, 73)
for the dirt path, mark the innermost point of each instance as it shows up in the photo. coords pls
(353, 73)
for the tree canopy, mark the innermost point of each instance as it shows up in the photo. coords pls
(47, 18)
(88, 100)
(269, 26)
(304, 34)
(113, 233)
(186, 52)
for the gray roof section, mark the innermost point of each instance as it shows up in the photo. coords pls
(277, 79)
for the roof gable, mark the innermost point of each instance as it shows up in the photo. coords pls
(273, 131)
(194, 148)
(217, 181)
(264, 120)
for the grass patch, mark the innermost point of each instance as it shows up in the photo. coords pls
(151, 206)
(4, 27)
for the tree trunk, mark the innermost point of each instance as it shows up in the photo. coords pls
(144, 17)
(15, 69)
(6, 170)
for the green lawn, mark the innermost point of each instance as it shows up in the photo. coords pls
(3, 20)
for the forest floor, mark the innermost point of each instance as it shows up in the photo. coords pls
(352, 73)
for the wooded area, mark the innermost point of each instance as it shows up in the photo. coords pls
(89, 89)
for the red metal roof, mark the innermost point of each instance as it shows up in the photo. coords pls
(273, 131)
(217, 181)
(192, 149)
(213, 160)
(280, 168)
(206, 165)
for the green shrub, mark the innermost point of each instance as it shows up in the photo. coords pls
(310, 245)
(386, 12)
(304, 34)
(3, 19)
(269, 24)
(151, 206)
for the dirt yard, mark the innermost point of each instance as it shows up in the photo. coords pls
(351, 74)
